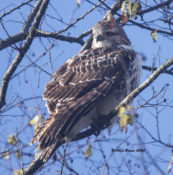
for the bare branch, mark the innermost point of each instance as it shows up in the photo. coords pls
(23, 50)
(170, 72)
(12, 10)
(151, 9)
(38, 33)
(82, 17)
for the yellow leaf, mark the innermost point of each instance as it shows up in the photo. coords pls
(12, 139)
(37, 126)
(126, 4)
(124, 121)
(121, 111)
(154, 35)
(18, 172)
(123, 6)
(34, 120)
(7, 156)
(129, 8)
(88, 152)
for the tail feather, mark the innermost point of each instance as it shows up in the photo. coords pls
(41, 158)
(42, 130)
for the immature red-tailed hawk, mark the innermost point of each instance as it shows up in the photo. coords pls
(88, 86)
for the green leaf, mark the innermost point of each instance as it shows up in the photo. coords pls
(88, 152)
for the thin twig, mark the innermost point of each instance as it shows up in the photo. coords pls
(82, 17)
(12, 10)
(170, 72)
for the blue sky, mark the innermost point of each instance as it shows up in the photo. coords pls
(32, 82)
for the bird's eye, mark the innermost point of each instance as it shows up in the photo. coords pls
(109, 33)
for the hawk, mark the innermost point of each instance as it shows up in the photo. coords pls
(88, 86)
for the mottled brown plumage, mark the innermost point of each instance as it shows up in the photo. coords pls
(87, 86)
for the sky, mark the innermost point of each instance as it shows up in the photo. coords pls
(32, 82)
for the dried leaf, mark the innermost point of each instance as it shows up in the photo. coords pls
(12, 139)
(88, 152)
(136, 7)
(124, 19)
(34, 120)
(154, 35)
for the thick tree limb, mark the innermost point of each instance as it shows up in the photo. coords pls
(22, 51)
(38, 33)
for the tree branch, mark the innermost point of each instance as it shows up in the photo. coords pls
(170, 72)
(38, 33)
(22, 51)
(12, 10)
(155, 7)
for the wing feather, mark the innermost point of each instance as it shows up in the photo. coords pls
(75, 89)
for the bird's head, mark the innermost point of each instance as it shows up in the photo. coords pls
(109, 34)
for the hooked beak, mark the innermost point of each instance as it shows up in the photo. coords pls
(99, 38)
